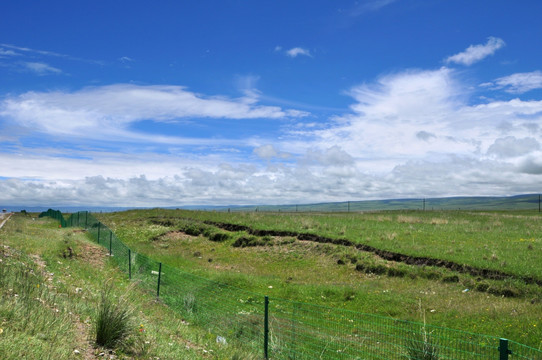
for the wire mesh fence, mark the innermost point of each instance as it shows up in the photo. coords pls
(275, 328)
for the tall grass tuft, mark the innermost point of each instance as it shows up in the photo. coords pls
(421, 347)
(112, 322)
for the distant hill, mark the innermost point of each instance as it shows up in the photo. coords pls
(517, 202)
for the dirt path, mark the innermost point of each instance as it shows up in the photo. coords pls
(3, 218)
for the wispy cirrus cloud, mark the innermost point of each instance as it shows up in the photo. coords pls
(475, 53)
(294, 52)
(113, 109)
(369, 6)
(41, 68)
(7, 53)
(517, 83)
(297, 51)
(26, 51)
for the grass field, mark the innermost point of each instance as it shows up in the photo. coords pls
(51, 282)
(475, 271)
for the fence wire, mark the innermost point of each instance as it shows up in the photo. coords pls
(293, 330)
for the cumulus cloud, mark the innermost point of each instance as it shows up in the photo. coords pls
(333, 156)
(518, 83)
(411, 129)
(425, 136)
(532, 165)
(268, 151)
(475, 53)
(512, 147)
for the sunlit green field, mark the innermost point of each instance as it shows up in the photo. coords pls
(51, 280)
(489, 279)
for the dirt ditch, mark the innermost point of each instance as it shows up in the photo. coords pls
(488, 274)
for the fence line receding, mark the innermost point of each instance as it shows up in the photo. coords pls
(280, 329)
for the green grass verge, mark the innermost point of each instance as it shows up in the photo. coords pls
(51, 284)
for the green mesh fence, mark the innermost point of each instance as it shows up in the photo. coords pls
(55, 214)
(283, 329)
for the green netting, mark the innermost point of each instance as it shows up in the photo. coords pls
(305, 331)
(55, 214)
(295, 330)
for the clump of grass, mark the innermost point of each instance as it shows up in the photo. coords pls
(112, 321)
(421, 347)
(218, 236)
(192, 229)
(376, 269)
(245, 241)
(189, 302)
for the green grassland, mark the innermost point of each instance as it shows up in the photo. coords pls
(478, 271)
(51, 282)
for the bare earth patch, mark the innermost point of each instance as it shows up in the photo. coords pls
(92, 254)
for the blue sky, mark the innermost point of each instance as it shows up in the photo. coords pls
(124, 103)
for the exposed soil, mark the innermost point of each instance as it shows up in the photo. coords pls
(92, 254)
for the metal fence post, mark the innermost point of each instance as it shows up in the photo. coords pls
(86, 219)
(159, 276)
(110, 243)
(503, 349)
(129, 264)
(266, 329)
(99, 226)
(294, 327)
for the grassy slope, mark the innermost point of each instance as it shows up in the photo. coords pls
(48, 301)
(309, 272)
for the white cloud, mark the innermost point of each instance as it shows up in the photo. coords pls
(369, 6)
(33, 53)
(109, 110)
(414, 133)
(518, 83)
(126, 59)
(424, 117)
(41, 68)
(532, 165)
(268, 151)
(475, 53)
(512, 147)
(7, 53)
(294, 52)
(333, 156)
